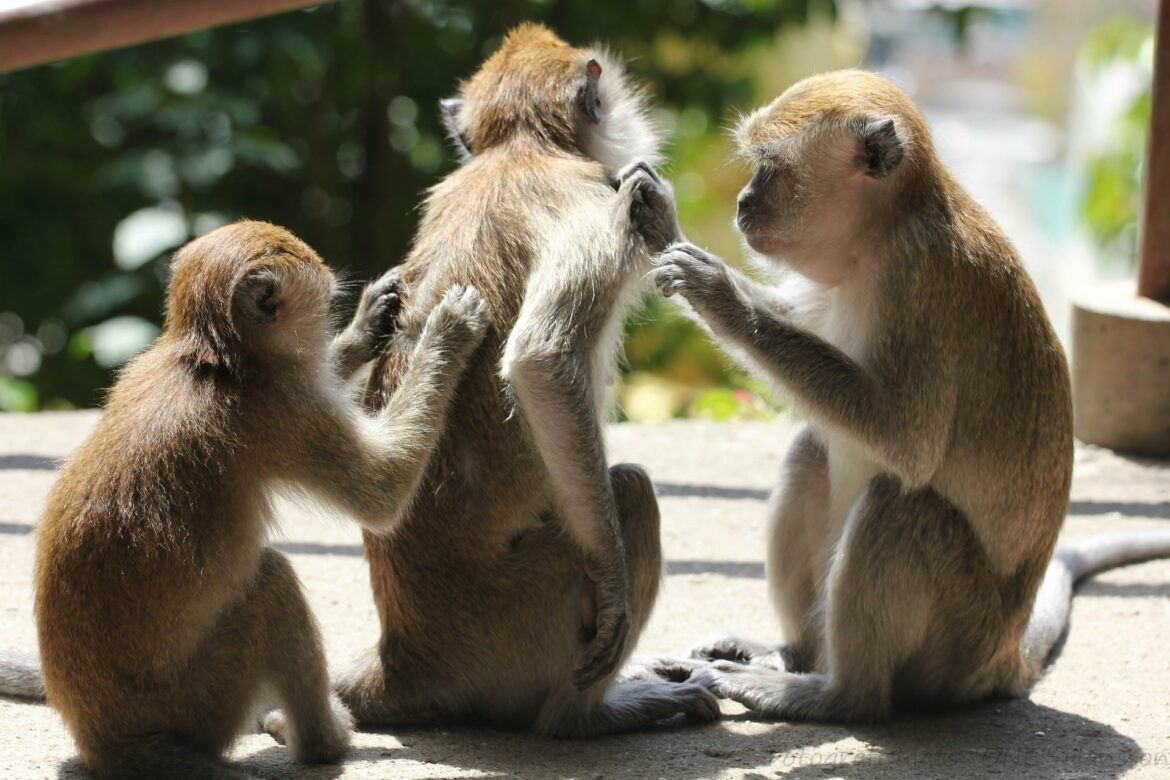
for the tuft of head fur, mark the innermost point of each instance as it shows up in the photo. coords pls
(825, 107)
(239, 278)
(533, 87)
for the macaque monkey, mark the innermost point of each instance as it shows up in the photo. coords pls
(161, 612)
(526, 566)
(918, 511)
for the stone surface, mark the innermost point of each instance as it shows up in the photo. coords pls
(1101, 712)
(1121, 369)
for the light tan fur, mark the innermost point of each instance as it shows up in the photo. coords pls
(918, 510)
(527, 566)
(161, 612)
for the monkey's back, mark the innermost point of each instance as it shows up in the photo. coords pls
(134, 549)
(482, 522)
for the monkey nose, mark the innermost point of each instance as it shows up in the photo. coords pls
(744, 207)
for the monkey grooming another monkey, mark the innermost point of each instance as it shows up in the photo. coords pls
(161, 612)
(918, 511)
(527, 566)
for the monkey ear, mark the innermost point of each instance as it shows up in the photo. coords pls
(259, 299)
(881, 148)
(590, 94)
(449, 108)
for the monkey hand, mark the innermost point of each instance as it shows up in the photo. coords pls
(377, 312)
(700, 277)
(652, 213)
(607, 645)
(374, 321)
(456, 325)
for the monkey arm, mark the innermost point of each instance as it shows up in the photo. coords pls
(555, 361)
(371, 467)
(899, 405)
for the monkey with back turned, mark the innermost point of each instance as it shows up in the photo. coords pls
(527, 565)
(161, 612)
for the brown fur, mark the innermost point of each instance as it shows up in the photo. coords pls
(525, 561)
(161, 612)
(918, 510)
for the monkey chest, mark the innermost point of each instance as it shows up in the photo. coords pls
(850, 471)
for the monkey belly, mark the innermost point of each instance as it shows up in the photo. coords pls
(850, 471)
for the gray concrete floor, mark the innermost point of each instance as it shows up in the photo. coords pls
(1102, 711)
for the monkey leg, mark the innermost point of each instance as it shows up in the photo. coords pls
(610, 706)
(883, 604)
(800, 543)
(267, 638)
(312, 722)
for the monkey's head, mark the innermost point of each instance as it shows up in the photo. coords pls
(246, 290)
(832, 157)
(538, 88)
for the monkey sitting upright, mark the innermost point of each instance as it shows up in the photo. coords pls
(160, 610)
(527, 567)
(918, 510)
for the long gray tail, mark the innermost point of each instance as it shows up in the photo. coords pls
(20, 676)
(1073, 563)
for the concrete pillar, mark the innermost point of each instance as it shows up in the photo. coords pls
(1121, 370)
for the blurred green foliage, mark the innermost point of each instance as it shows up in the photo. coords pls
(1111, 205)
(324, 121)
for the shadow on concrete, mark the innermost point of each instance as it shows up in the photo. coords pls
(1128, 508)
(753, 570)
(29, 462)
(741, 569)
(1009, 739)
(1127, 590)
(313, 548)
(16, 529)
(676, 490)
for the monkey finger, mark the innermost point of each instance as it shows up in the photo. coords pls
(670, 281)
(389, 283)
(636, 167)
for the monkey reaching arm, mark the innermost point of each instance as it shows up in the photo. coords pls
(371, 467)
(900, 405)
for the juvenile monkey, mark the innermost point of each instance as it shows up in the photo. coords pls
(918, 511)
(161, 612)
(526, 567)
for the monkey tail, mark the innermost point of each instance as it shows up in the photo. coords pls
(1069, 565)
(20, 676)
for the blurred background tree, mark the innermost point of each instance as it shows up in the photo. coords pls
(324, 121)
(1117, 58)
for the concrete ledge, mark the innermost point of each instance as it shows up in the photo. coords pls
(1100, 712)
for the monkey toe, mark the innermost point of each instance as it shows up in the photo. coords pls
(665, 668)
(723, 648)
(275, 724)
(699, 703)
